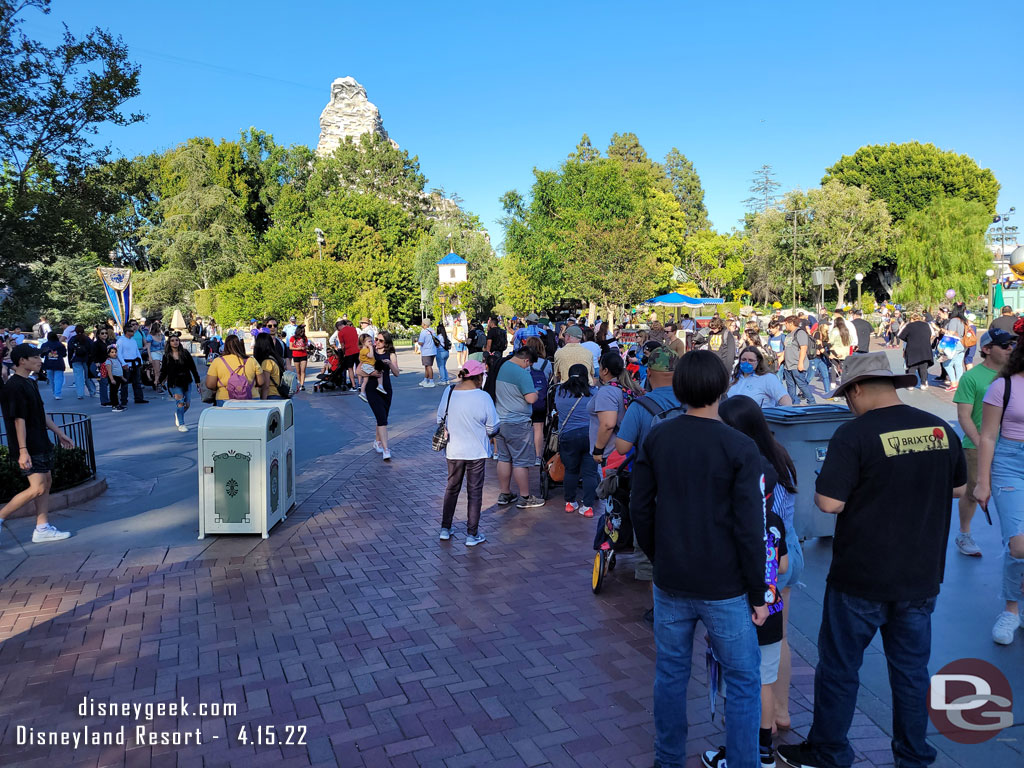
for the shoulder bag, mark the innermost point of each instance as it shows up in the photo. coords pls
(440, 440)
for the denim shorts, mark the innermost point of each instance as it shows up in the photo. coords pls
(1008, 487)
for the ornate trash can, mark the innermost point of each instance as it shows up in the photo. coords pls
(287, 466)
(240, 455)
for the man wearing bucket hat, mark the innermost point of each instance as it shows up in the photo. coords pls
(890, 476)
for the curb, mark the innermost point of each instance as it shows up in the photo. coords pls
(69, 497)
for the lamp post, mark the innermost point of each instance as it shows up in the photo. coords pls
(990, 273)
(321, 241)
(1003, 232)
(795, 217)
(314, 302)
(859, 277)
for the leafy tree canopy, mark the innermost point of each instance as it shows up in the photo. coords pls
(910, 176)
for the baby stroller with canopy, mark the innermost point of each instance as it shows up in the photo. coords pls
(614, 533)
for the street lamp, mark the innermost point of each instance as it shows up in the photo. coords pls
(321, 241)
(794, 215)
(314, 302)
(859, 277)
(990, 273)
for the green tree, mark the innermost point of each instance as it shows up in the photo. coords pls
(714, 261)
(687, 189)
(943, 246)
(763, 190)
(849, 230)
(52, 101)
(780, 257)
(909, 177)
(585, 151)
(72, 290)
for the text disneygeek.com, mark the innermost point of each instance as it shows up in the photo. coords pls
(143, 735)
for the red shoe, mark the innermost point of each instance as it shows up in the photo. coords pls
(571, 506)
(586, 511)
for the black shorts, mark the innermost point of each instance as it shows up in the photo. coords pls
(41, 463)
(350, 361)
(538, 417)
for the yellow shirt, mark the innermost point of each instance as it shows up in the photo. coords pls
(222, 368)
(275, 377)
(568, 356)
(366, 356)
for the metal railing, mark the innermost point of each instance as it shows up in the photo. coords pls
(76, 426)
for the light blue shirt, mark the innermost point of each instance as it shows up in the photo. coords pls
(637, 421)
(427, 345)
(764, 390)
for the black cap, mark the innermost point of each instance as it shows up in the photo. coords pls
(24, 351)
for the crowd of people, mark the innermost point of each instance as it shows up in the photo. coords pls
(677, 415)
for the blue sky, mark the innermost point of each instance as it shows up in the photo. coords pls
(485, 92)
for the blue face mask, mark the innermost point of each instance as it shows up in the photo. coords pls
(746, 368)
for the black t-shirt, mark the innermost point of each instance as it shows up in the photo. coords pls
(895, 468)
(771, 631)
(863, 329)
(19, 399)
(498, 338)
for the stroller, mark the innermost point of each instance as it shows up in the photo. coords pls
(332, 377)
(614, 533)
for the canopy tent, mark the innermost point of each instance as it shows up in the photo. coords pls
(679, 300)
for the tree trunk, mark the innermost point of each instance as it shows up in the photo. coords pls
(592, 313)
(841, 293)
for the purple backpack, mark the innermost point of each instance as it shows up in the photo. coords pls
(239, 387)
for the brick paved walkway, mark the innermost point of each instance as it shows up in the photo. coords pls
(353, 621)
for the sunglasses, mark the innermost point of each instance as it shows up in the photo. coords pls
(271, 325)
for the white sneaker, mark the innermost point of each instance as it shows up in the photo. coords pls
(57, 397)
(380, 388)
(386, 455)
(1006, 624)
(446, 533)
(430, 384)
(182, 428)
(378, 447)
(423, 383)
(363, 397)
(967, 546)
(48, 533)
(472, 541)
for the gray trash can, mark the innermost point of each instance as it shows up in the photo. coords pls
(805, 431)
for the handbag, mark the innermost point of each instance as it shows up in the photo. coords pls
(440, 440)
(555, 468)
(553, 438)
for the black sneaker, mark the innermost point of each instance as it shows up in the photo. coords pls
(799, 756)
(649, 615)
(529, 502)
(505, 499)
(140, 402)
(767, 756)
(714, 759)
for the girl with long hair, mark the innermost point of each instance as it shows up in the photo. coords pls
(744, 415)
(956, 327)
(233, 361)
(299, 347)
(1001, 478)
(156, 343)
(264, 349)
(471, 421)
(179, 371)
(571, 399)
(386, 364)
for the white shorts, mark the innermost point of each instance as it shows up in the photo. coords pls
(367, 369)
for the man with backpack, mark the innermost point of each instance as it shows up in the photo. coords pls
(497, 341)
(641, 415)
(796, 356)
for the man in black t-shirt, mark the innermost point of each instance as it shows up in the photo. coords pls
(863, 329)
(890, 475)
(26, 424)
(497, 341)
(1005, 320)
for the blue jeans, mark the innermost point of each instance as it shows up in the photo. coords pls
(1008, 496)
(104, 391)
(442, 364)
(56, 382)
(734, 641)
(955, 365)
(182, 400)
(795, 379)
(82, 380)
(848, 625)
(818, 366)
(574, 448)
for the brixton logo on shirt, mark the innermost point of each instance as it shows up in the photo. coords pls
(919, 440)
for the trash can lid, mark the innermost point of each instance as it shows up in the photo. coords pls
(791, 414)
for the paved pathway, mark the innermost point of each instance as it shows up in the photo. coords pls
(353, 622)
